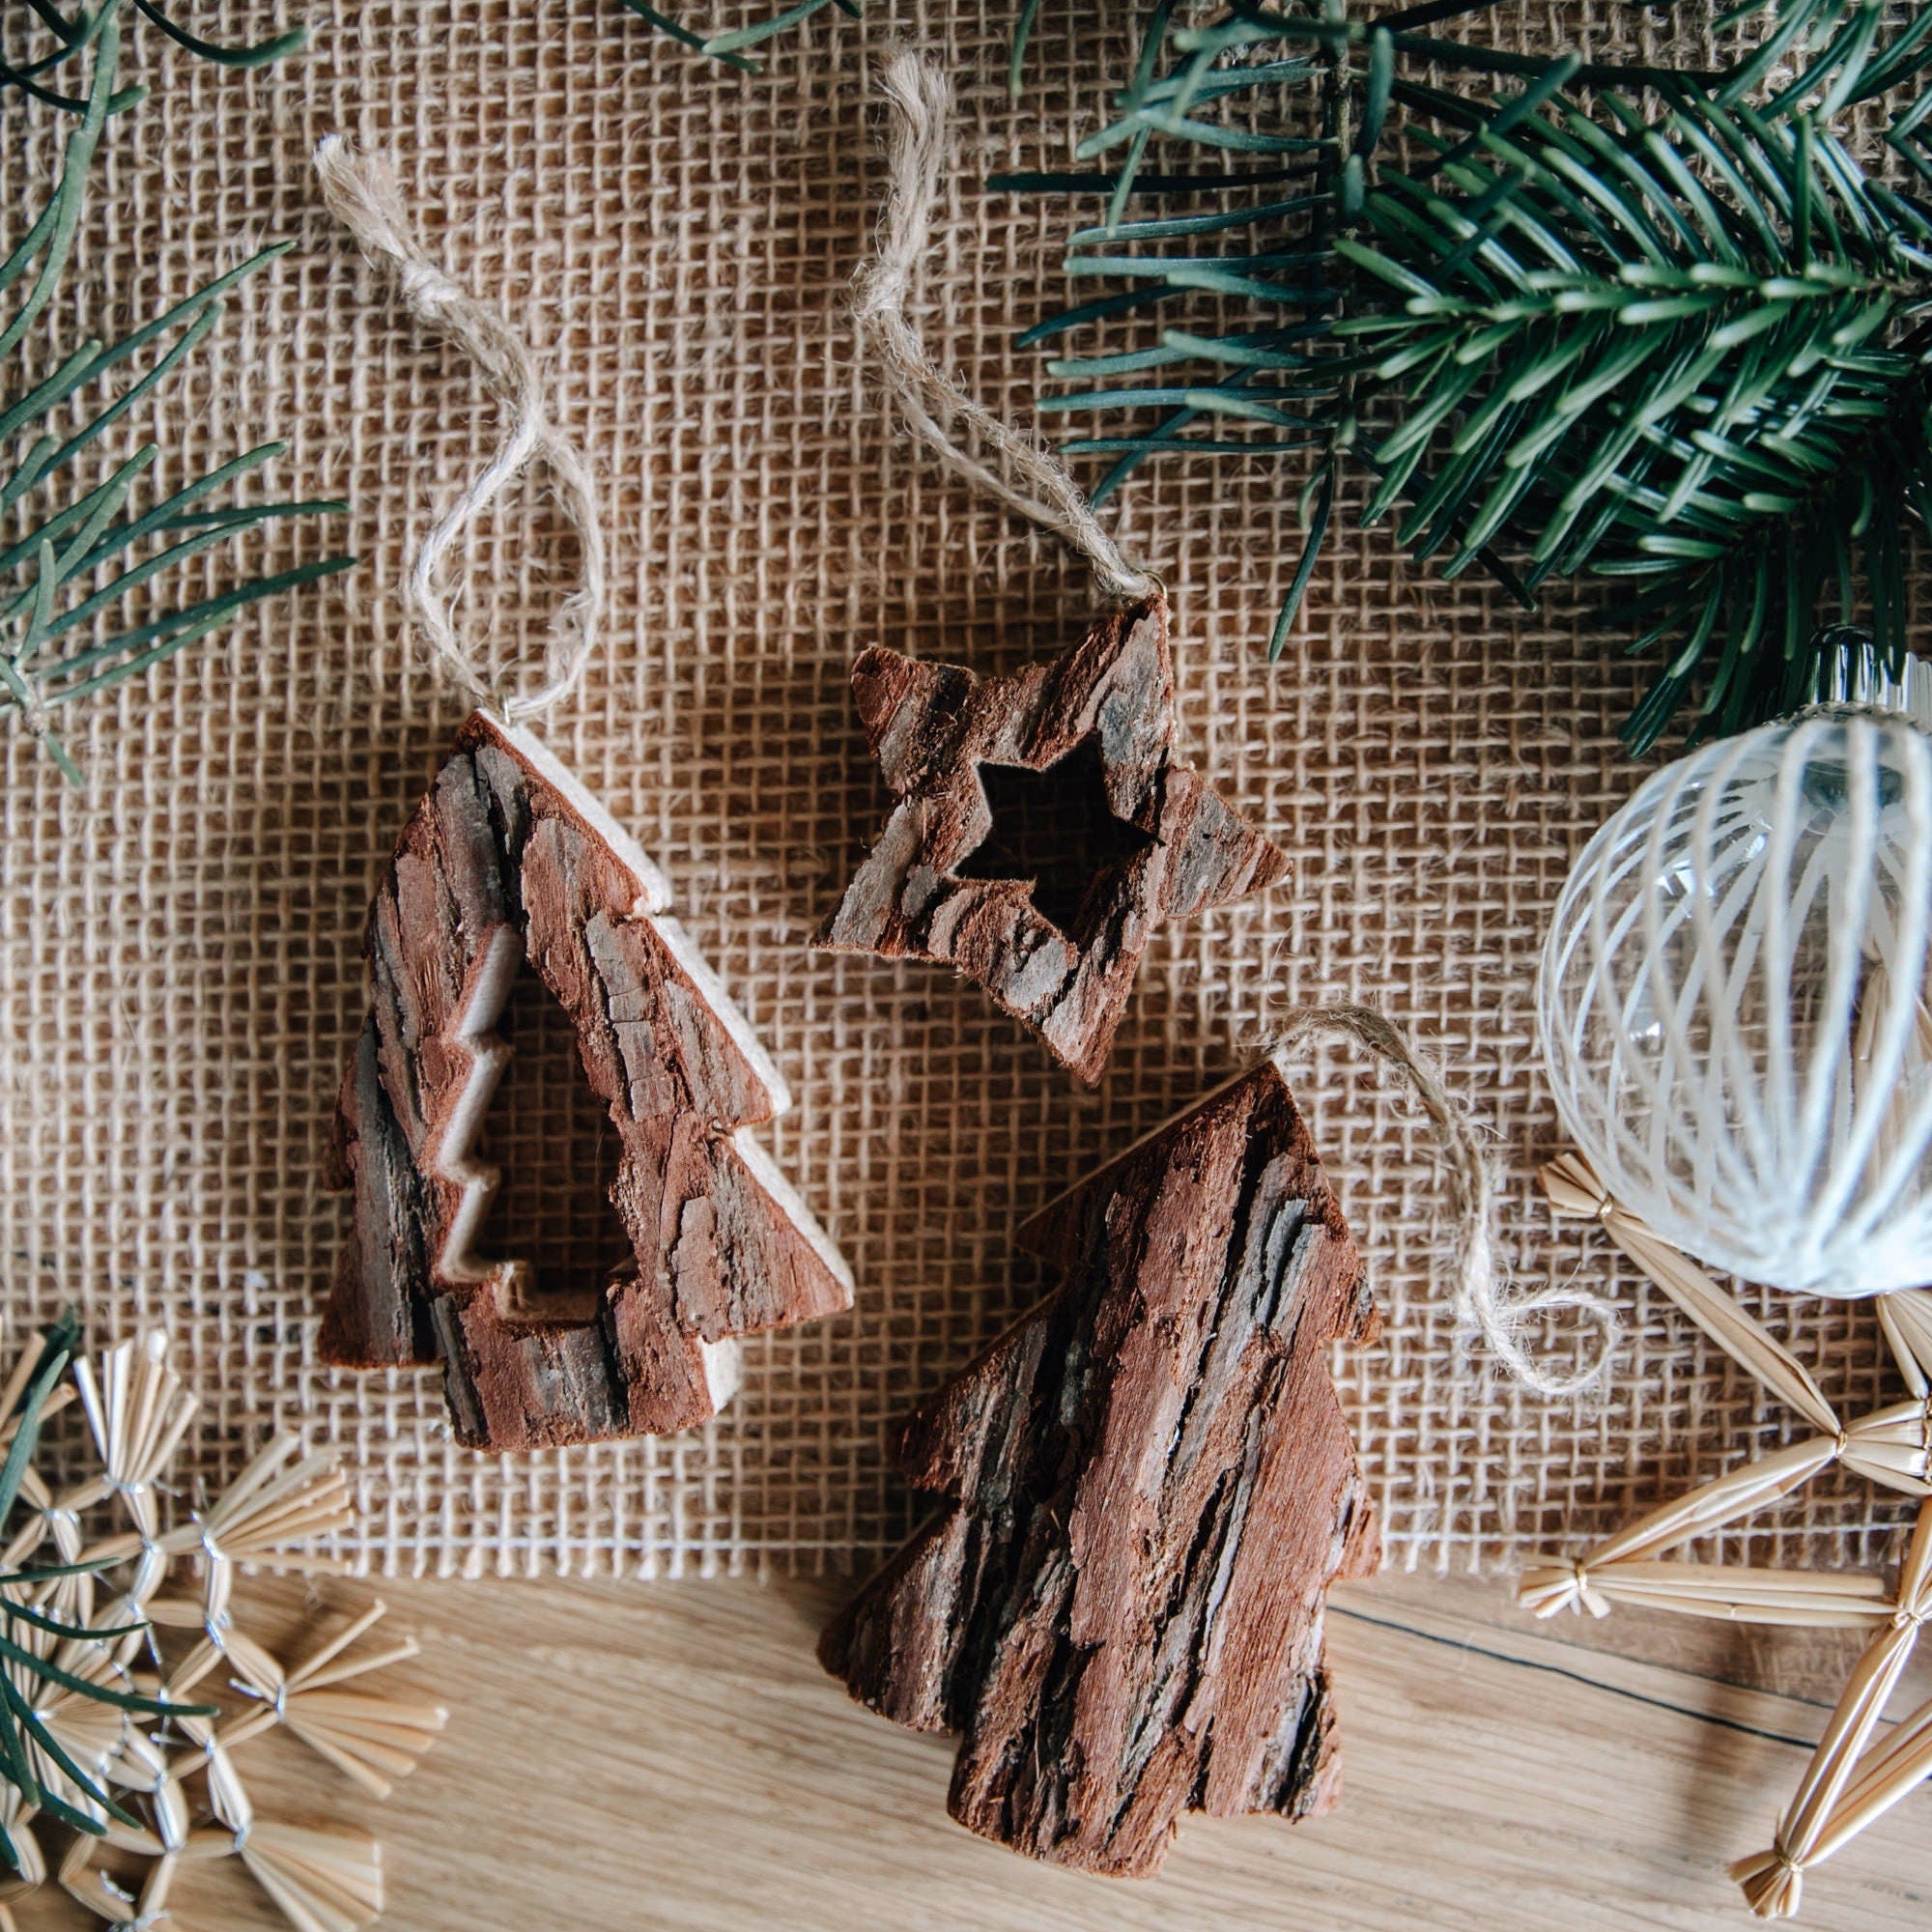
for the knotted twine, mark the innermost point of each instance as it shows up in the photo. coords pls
(362, 192)
(1482, 1301)
(932, 403)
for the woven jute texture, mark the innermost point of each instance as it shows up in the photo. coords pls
(181, 964)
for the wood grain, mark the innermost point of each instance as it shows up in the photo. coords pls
(671, 1756)
(508, 866)
(933, 725)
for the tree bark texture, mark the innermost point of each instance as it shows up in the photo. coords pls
(932, 727)
(1149, 1487)
(509, 865)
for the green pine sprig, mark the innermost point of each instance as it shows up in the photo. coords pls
(42, 1650)
(735, 49)
(66, 38)
(71, 553)
(1655, 325)
(740, 47)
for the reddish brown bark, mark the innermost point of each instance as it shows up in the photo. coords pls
(1148, 1488)
(933, 726)
(508, 864)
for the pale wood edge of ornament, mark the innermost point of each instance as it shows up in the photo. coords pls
(654, 900)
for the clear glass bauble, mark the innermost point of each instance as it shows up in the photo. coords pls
(1732, 1004)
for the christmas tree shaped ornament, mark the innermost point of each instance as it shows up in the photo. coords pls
(510, 866)
(1147, 1487)
(1732, 1002)
(1042, 826)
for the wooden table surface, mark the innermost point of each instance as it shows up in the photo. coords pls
(669, 1756)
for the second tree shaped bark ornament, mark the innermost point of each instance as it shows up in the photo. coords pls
(509, 865)
(1148, 1488)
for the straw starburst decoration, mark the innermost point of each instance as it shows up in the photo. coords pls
(126, 1686)
(1850, 1781)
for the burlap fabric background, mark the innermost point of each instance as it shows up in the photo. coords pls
(180, 972)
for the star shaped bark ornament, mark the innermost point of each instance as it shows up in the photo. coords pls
(1119, 836)
(1147, 1486)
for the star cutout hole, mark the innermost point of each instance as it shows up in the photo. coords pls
(1053, 830)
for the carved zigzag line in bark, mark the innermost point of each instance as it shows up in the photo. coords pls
(455, 1161)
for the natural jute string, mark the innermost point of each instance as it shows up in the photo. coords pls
(364, 195)
(1482, 1302)
(934, 404)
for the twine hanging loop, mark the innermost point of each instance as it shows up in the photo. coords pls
(934, 405)
(363, 193)
(1483, 1301)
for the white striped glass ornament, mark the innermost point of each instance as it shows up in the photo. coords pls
(1732, 1004)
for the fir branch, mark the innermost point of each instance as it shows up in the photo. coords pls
(48, 242)
(733, 48)
(70, 557)
(1666, 333)
(736, 47)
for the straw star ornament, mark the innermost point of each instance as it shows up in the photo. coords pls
(1849, 1782)
(130, 1685)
